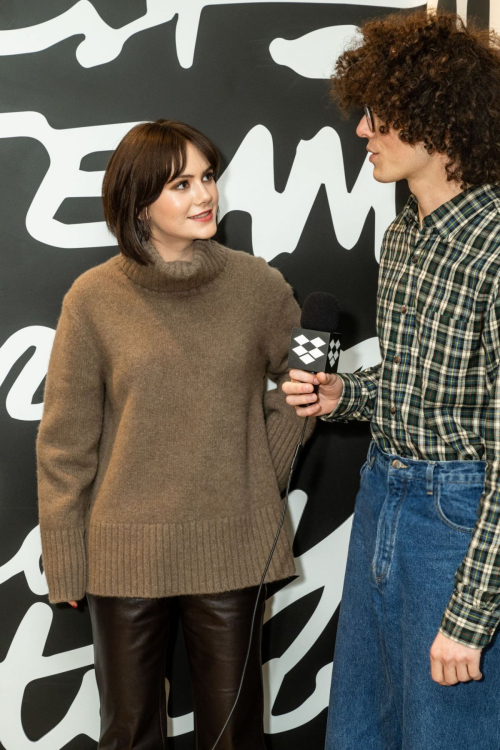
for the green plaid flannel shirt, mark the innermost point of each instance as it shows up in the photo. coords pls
(436, 393)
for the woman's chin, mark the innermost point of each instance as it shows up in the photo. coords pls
(207, 231)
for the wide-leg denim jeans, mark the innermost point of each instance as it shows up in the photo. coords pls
(412, 526)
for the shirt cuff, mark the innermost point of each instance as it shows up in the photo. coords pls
(347, 402)
(467, 624)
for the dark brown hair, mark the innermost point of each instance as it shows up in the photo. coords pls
(436, 81)
(148, 156)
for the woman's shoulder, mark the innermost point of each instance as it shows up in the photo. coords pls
(255, 269)
(96, 281)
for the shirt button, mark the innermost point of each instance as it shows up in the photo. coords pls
(414, 258)
(396, 464)
(404, 310)
(393, 409)
(397, 359)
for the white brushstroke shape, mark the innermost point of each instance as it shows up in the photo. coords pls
(25, 663)
(103, 43)
(278, 219)
(19, 398)
(361, 356)
(321, 567)
(313, 55)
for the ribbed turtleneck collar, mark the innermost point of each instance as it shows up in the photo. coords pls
(209, 259)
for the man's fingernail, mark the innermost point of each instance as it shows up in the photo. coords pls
(316, 381)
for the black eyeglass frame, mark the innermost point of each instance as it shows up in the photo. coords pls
(369, 117)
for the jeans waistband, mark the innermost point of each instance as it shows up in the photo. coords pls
(429, 471)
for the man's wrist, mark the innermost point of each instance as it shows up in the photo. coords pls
(347, 402)
(467, 624)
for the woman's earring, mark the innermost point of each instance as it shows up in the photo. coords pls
(217, 215)
(144, 226)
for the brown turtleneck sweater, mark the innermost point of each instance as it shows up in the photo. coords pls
(160, 454)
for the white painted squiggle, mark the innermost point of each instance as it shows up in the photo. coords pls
(315, 572)
(25, 662)
(64, 179)
(103, 43)
(361, 356)
(26, 560)
(278, 219)
(313, 55)
(19, 398)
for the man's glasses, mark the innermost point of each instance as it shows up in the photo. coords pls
(369, 117)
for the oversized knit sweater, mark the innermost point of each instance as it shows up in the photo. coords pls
(160, 454)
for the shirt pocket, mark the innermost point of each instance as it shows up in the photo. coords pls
(446, 345)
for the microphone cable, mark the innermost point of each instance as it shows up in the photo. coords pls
(266, 568)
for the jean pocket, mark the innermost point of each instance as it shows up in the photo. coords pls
(457, 504)
(362, 470)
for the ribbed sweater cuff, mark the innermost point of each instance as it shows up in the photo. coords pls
(64, 563)
(283, 437)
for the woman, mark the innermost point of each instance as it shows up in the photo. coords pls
(160, 455)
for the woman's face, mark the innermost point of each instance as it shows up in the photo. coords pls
(187, 206)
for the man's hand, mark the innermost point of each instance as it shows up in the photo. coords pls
(300, 392)
(452, 662)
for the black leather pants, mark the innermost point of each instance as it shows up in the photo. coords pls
(130, 643)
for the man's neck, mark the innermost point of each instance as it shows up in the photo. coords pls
(432, 191)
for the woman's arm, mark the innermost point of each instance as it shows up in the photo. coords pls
(67, 444)
(283, 425)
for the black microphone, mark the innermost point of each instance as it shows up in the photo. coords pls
(315, 346)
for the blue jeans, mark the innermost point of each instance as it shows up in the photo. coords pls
(412, 525)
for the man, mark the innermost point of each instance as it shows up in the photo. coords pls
(423, 573)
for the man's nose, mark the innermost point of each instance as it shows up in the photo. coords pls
(363, 129)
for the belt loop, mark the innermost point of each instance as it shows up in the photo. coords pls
(429, 477)
(371, 451)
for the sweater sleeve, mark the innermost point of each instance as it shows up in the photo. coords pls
(282, 423)
(66, 446)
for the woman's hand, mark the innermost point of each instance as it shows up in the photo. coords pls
(300, 392)
(73, 604)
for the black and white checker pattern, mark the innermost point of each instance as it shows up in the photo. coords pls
(333, 351)
(308, 351)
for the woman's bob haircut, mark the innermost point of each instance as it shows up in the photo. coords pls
(148, 156)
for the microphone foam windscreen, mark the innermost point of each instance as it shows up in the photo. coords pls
(320, 312)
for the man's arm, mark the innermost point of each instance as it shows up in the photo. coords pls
(473, 612)
(359, 396)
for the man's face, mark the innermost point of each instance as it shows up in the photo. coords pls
(392, 158)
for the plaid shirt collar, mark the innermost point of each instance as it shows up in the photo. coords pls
(450, 217)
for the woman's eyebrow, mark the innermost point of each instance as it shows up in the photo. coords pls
(208, 169)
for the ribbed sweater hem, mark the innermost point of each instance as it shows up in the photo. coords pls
(157, 560)
(64, 563)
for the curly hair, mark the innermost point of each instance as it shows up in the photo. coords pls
(435, 81)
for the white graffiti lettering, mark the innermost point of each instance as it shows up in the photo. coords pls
(247, 185)
(103, 43)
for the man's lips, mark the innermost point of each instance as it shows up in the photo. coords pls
(205, 216)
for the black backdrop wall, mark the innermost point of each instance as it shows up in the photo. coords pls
(295, 189)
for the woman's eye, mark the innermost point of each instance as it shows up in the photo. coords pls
(209, 176)
(181, 185)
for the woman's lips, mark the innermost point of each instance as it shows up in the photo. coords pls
(205, 216)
